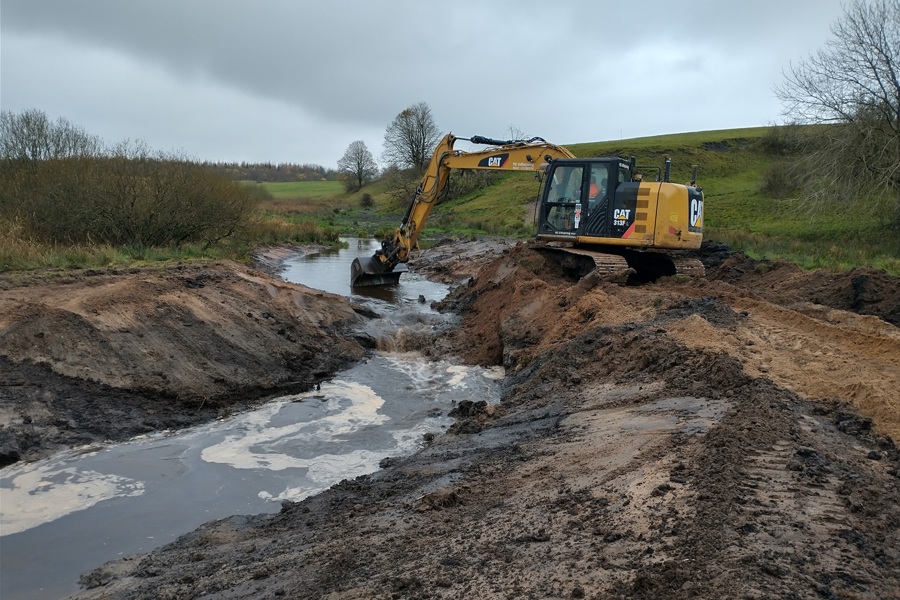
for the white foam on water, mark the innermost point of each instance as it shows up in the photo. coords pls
(257, 445)
(35, 493)
(458, 375)
(435, 376)
(44, 491)
(327, 469)
(496, 373)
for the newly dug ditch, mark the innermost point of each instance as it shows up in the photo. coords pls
(728, 437)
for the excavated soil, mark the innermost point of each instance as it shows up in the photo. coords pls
(94, 356)
(726, 437)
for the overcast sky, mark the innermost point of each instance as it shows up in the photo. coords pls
(298, 81)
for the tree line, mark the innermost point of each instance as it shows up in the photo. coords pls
(266, 171)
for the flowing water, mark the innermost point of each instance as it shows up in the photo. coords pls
(67, 514)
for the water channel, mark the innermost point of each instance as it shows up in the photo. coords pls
(69, 513)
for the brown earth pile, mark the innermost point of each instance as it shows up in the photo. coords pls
(90, 356)
(722, 438)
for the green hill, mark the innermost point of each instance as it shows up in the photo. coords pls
(734, 168)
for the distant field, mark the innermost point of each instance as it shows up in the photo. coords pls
(320, 202)
(303, 189)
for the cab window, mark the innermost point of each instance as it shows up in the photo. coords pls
(563, 207)
(565, 184)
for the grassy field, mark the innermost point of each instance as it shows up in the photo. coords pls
(307, 190)
(303, 201)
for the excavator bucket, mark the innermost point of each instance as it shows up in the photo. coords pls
(367, 272)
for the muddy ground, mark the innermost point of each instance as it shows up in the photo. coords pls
(727, 437)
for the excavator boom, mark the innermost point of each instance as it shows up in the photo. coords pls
(503, 155)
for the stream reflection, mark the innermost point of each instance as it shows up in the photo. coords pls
(329, 270)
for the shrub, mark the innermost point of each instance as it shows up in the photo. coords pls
(123, 200)
(61, 186)
(782, 140)
(780, 181)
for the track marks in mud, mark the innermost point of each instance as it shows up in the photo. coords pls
(850, 359)
(707, 530)
(797, 521)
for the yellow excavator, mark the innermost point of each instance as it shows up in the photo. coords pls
(594, 214)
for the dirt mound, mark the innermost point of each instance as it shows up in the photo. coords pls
(100, 356)
(518, 309)
(861, 290)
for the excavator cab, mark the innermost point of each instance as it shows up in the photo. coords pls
(604, 201)
(578, 195)
(600, 214)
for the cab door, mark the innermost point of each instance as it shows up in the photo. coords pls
(599, 198)
(562, 206)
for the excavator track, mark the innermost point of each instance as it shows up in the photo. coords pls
(577, 262)
(623, 266)
(691, 267)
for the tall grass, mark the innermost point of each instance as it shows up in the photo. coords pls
(263, 229)
(19, 252)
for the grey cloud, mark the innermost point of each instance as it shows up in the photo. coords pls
(569, 71)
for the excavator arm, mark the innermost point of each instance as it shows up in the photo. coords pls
(502, 155)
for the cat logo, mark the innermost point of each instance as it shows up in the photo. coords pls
(496, 162)
(620, 216)
(695, 214)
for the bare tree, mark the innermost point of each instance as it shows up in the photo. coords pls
(31, 136)
(357, 165)
(852, 86)
(411, 137)
(515, 133)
